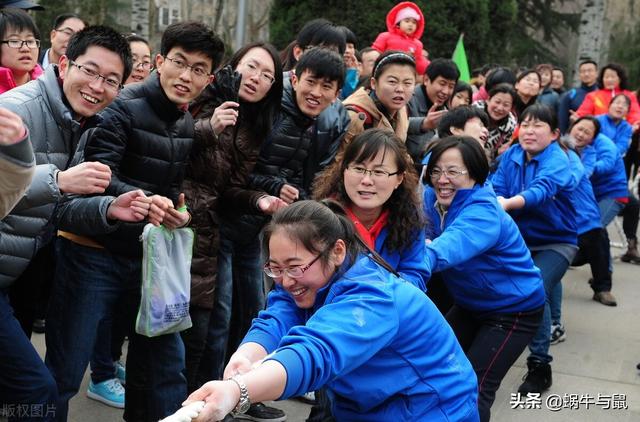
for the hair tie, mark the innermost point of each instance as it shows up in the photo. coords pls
(390, 57)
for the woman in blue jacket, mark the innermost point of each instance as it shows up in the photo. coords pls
(613, 124)
(484, 262)
(376, 184)
(339, 317)
(534, 183)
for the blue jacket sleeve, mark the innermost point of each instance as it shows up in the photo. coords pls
(341, 336)
(588, 158)
(412, 266)
(473, 232)
(623, 138)
(273, 323)
(551, 177)
(498, 179)
(350, 82)
(606, 155)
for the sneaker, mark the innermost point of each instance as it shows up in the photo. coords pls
(260, 412)
(558, 334)
(109, 392)
(121, 373)
(606, 298)
(537, 379)
(308, 398)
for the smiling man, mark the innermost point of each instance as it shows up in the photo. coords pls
(145, 138)
(428, 104)
(55, 108)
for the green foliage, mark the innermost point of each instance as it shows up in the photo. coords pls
(625, 49)
(496, 31)
(93, 11)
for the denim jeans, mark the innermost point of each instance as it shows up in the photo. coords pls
(88, 284)
(552, 267)
(555, 303)
(27, 389)
(102, 365)
(195, 339)
(240, 290)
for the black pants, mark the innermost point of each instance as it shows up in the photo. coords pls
(439, 293)
(492, 342)
(630, 215)
(594, 250)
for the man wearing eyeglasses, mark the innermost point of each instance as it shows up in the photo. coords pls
(55, 108)
(145, 138)
(64, 26)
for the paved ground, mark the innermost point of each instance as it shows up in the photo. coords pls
(597, 361)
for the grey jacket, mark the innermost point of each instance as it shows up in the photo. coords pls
(54, 135)
(16, 171)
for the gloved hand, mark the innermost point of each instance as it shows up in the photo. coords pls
(186, 413)
(227, 83)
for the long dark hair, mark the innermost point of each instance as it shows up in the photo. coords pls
(318, 226)
(258, 116)
(262, 114)
(405, 210)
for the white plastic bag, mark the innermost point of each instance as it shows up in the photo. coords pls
(166, 281)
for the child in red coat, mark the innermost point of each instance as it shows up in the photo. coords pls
(405, 25)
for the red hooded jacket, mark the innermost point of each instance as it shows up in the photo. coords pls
(395, 39)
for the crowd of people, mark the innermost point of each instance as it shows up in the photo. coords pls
(373, 235)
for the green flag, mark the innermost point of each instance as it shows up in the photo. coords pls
(460, 59)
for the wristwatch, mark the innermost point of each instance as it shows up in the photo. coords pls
(244, 403)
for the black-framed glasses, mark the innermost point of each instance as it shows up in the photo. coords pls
(375, 174)
(291, 272)
(110, 83)
(143, 65)
(17, 44)
(253, 69)
(180, 64)
(448, 173)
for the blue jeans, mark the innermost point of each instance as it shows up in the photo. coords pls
(555, 303)
(239, 287)
(88, 284)
(27, 389)
(103, 367)
(552, 267)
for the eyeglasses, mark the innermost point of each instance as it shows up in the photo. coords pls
(291, 272)
(197, 70)
(374, 174)
(448, 173)
(66, 31)
(253, 69)
(110, 83)
(19, 43)
(143, 65)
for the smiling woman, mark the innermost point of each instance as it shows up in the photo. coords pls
(338, 317)
(19, 51)
(376, 183)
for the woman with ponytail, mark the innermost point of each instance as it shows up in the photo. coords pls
(338, 317)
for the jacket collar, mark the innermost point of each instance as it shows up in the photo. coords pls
(54, 96)
(290, 106)
(154, 93)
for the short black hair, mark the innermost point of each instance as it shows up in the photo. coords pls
(60, 19)
(322, 63)
(350, 37)
(525, 72)
(503, 88)
(626, 99)
(17, 19)
(193, 37)
(321, 32)
(101, 36)
(390, 57)
(541, 112)
(443, 67)
(137, 38)
(458, 117)
(473, 157)
(366, 50)
(499, 75)
(620, 70)
(588, 61)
